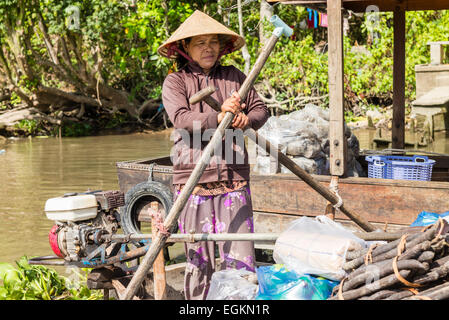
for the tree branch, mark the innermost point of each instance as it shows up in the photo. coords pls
(43, 28)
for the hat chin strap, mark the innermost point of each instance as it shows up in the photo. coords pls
(171, 49)
(227, 49)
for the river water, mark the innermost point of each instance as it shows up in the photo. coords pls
(36, 169)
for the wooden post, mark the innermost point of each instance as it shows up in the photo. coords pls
(330, 209)
(337, 138)
(159, 278)
(398, 133)
(106, 294)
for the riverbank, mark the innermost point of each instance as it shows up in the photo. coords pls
(72, 121)
(27, 122)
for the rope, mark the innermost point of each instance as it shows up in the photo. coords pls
(158, 222)
(440, 231)
(402, 243)
(440, 221)
(340, 290)
(368, 256)
(333, 186)
(401, 278)
(412, 290)
(401, 249)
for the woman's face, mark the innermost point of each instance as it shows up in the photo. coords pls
(203, 50)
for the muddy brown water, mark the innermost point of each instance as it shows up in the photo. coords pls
(36, 169)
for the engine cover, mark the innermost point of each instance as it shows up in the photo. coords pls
(71, 208)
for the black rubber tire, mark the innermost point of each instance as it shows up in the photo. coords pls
(140, 194)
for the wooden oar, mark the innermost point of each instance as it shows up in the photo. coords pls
(205, 95)
(172, 217)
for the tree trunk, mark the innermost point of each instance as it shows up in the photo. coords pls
(245, 53)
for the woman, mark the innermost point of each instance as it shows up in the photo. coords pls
(221, 201)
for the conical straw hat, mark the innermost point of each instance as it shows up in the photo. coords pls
(197, 24)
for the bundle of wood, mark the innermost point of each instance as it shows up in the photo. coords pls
(415, 266)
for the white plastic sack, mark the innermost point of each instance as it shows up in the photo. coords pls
(316, 246)
(308, 165)
(308, 148)
(266, 165)
(233, 284)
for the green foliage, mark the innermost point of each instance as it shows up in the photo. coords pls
(33, 282)
(29, 126)
(127, 37)
(76, 129)
(117, 120)
(372, 73)
(15, 99)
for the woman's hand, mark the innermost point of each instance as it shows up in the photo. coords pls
(232, 104)
(240, 120)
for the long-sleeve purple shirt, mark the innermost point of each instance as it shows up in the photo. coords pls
(178, 87)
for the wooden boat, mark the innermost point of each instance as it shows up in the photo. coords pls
(280, 198)
(277, 200)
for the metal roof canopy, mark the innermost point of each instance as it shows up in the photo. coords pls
(336, 65)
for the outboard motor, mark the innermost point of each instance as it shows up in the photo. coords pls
(81, 221)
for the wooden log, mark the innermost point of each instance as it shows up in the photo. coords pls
(101, 278)
(96, 285)
(427, 268)
(377, 272)
(440, 292)
(389, 250)
(413, 251)
(105, 294)
(400, 295)
(159, 276)
(409, 254)
(372, 287)
(105, 274)
(382, 248)
(439, 262)
(120, 289)
(392, 237)
(426, 256)
(379, 295)
(433, 275)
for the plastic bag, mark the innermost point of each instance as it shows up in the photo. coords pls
(278, 283)
(427, 218)
(232, 284)
(266, 165)
(308, 165)
(305, 133)
(309, 148)
(316, 246)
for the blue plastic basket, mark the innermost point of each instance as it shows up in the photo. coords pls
(400, 167)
